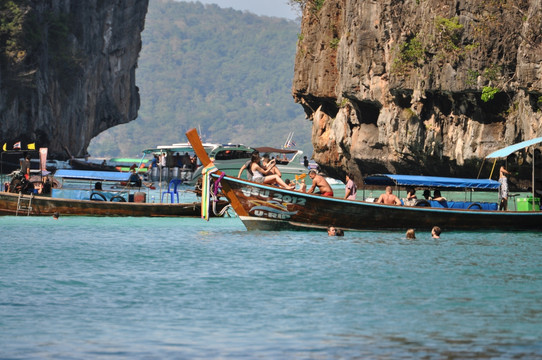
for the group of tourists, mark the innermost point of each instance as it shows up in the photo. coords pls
(265, 171)
(174, 160)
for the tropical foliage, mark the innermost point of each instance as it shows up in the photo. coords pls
(226, 72)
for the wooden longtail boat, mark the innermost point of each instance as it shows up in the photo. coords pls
(103, 204)
(263, 207)
(43, 205)
(81, 164)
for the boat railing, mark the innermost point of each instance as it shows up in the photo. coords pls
(88, 193)
(169, 173)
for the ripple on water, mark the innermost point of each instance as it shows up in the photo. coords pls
(186, 288)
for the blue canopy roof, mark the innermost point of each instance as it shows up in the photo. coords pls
(513, 148)
(92, 175)
(431, 181)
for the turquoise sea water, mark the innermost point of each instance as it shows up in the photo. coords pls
(137, 288)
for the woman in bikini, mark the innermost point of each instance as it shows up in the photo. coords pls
(265, 176)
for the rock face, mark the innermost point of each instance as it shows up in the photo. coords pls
(67, 70)
(397, 86)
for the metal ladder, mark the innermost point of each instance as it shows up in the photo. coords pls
(24, 204)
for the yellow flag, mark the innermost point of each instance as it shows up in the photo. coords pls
(32, 146)
(4, 147)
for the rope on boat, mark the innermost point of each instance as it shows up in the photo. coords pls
(217, 187)
(222, 212)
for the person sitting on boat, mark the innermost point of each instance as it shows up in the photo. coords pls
(302, 186)
(45, 188)
(320, 182)
(427, 194)
(285, 160)
(246, 166)
(503, 189)
(264, 176)
(271, 165)
(388, 198)
(134, 179)
(438, 197)
(411, 197)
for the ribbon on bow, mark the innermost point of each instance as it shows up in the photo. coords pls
(205, 191)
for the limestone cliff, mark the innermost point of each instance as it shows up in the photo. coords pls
(418, 86)
(67, 70)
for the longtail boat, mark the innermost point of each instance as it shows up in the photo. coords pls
(83, 200)
(263, 207)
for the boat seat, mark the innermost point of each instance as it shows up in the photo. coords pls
(172, 190)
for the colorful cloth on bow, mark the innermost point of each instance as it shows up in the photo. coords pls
(205, 191)
(217, 186)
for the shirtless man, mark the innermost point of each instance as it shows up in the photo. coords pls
(388, 198)
(323, 185)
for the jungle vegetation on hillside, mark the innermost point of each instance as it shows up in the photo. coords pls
(226, 72)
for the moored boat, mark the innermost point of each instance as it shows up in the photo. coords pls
(230, 158)
(263, 207)
(85, 164)
(82, 197)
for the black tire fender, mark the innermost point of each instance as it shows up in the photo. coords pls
(473, 205)
(96, 196)
(422, 202)
(118, 198)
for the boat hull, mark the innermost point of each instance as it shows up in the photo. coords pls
(262, 207)
(85, 165)
(46, 206)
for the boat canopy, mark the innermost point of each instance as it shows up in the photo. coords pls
(513, 148)
(431, 181)
(169, 148)
(186, 147)
(267, 149)
(92, 175)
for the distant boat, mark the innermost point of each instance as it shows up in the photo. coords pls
(228, 157)
(263, 207)
(83, 164)
(82, 199)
